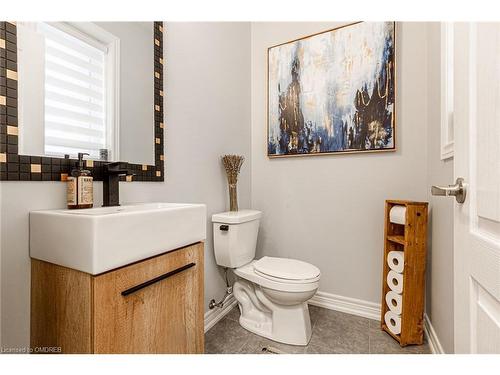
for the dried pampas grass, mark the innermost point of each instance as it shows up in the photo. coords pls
(232, 164)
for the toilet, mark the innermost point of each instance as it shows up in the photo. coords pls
(272, 293)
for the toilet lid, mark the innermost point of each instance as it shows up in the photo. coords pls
(285, 268)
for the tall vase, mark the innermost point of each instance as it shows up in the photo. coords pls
(233, 197)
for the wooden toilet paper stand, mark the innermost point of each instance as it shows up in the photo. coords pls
(411, 238)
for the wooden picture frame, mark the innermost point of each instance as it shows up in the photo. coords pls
(305, 138)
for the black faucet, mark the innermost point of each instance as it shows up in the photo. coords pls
(111, 179)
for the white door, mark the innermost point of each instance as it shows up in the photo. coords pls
(477, 160)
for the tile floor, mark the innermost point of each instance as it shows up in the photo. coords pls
(332, 332)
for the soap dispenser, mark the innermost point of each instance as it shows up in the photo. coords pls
(80, 188)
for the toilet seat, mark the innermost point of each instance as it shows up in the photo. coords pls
(248, 272)
(286, 270)
(288, 281)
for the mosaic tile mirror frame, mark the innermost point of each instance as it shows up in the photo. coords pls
(17, 167)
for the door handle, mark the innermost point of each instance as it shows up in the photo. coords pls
(459, 190)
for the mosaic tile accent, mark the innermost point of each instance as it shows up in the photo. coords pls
(17, 167)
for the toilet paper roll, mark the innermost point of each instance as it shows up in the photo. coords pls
(393, 322)
(394, 302)
(397, 215)
(396, 260)
(395, 281)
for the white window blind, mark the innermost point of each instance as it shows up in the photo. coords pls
(75, 113)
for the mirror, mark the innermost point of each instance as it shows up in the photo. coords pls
(87, 87)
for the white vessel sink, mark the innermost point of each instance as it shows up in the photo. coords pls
(97, 240)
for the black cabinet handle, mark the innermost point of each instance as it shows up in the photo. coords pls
(224, 227)
(156, 279)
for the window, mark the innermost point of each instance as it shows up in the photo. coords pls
(75, 91)
(447, 109)
(77, 78)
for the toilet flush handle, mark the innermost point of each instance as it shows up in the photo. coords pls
(224, 227)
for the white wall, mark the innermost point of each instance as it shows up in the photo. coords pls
(440, 261)
(31, 84)
(329, 210)
(1, 266)
(207, 113)
(18, 199)
(136, 90)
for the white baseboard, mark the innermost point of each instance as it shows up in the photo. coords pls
(432, 337)
(370, 310)
(216, 314)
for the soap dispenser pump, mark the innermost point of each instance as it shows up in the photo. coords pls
(80, 188)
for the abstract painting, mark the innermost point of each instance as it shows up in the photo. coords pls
(333, 92)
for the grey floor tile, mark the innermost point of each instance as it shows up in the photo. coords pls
(249, 348)
(382, 343)
(316, 349)
(374, 324)
(341, 333)
(313, 313)
(227, 336)
(234, 314)
(332, 332)
(350, 321)
(256, 343)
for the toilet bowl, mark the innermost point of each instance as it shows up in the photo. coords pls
(272, 293)
(273, 306)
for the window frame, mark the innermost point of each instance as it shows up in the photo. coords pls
(447, 84)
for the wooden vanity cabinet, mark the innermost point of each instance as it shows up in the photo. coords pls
(152, 306)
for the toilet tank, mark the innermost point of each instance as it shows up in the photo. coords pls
(235, 237)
